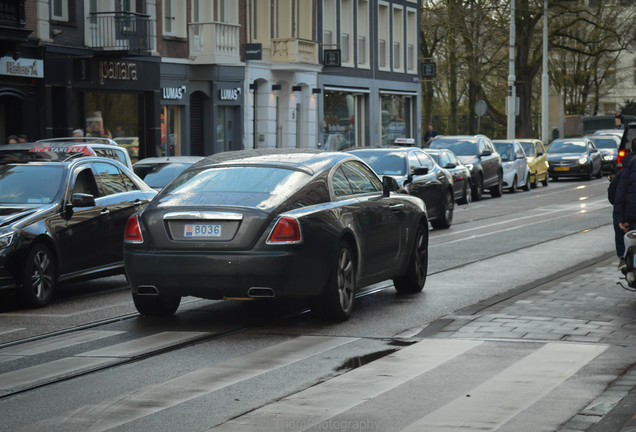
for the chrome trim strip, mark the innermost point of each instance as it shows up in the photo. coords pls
(203, 215)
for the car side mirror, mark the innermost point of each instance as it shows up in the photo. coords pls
(420, 170)
(486, 153)
(82, 200)
(389, 184)
(450, 165)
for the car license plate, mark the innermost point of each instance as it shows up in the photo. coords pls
(561, 168)
(202, 230)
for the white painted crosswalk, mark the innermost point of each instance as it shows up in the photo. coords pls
(529, 375)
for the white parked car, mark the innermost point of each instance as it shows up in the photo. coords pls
(516, 173)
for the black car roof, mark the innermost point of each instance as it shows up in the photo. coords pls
(301, 159)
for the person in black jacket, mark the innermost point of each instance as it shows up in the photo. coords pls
(622, 194)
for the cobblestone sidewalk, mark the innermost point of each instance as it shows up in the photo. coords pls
(586, 306)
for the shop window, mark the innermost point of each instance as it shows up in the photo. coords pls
(396, 113)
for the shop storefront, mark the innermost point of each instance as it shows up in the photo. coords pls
(201, 109)
(116, 98)
(21, 82)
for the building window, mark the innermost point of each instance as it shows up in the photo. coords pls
(59, 10)
(411, 40)
(346, 30)
(328, 23)
(398, 39)
(362, 50)
(174, 21)
(363, 33)
(383, 35)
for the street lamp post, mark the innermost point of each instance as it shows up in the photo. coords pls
(545, 84)
(512, 90)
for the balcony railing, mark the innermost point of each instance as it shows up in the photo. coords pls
(294, 51)
(214, 43)
(120, 31)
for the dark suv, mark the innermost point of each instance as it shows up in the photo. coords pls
(478, 153)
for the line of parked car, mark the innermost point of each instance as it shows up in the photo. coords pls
(255, 224)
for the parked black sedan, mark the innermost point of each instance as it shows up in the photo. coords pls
(574, 157)
(418, 175)
(275, 224)
(460, 173)
(62, 217)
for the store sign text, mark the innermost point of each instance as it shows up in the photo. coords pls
(114, 70)
(175, 93)
(229, 94)
(28, 68)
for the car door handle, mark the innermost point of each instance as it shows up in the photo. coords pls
(105, 212)
(396, 206)
(138, 202)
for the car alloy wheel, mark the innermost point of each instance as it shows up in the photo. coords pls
(339, 295)
(415, 277)
(39, 276)
(446, 220)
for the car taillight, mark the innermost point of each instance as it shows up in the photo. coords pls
(287, 230)
(133, 231)
(619, 159)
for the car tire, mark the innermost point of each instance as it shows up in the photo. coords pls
(39, 276)
(467, 194)
(545, 182)
(497, 191)
(446, 219)
(339, 296)
(527, 186)
(478, 188)
(415, 277)
(513, 187)
(156, 305)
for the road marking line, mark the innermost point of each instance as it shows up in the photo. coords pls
(29, 376)
(523, 383)
(57, 342)
(319, 403)
(144, 345)
(127, 408)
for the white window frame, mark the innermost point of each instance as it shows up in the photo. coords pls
(383, 36)
(397, 39)
(346, 32)
(178, 11)
(411, 41)
(362, 35)
(63, 6)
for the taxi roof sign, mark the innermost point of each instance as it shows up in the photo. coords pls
(85, 150)
(404, 141)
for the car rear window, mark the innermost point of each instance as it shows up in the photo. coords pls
(239, 179)
(29, 184)
(159, 175)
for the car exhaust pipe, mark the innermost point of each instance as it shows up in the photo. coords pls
(147, 290)
(261, 292)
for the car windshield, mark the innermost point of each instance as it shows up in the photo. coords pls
(605, 143)
(505, 151)
(528, 148)
(29, 184)
(460, 148)
(159, 175)
(567, 147)
(238, 180)
(384, 163)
